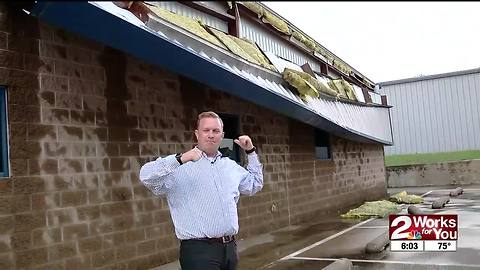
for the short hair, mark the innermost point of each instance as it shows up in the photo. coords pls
(208, 114)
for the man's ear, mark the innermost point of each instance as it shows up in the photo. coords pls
(196, 133)
(223, 134)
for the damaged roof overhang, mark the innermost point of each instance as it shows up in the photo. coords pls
(93, 22)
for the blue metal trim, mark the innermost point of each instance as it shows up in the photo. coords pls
(85, 19)
(3, 134)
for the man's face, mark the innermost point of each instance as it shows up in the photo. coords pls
(209, 134)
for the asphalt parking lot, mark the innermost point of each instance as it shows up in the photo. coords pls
(319, 243)
(350, 242)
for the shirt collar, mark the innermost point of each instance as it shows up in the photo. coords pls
(217, 155)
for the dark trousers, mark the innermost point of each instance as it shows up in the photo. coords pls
(206, 255)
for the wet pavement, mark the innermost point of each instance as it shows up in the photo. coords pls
(317, 244)
(351, 244)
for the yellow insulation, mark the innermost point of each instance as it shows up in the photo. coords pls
(252, 49)
(348, 90)
(298, 36)
(403, 197)
(319, 86)
(232, 45)
(380, 209)
(255, 7)
(276, 22)
(302, 86)
(307, 86)
(186, 23)
(338, 87)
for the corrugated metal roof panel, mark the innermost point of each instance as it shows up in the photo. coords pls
(358, 93)
(271, 43)
(221, 69)
(192, 13)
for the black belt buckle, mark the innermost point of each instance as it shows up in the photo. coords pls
(227, 239)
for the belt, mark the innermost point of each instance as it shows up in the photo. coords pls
(222, 240)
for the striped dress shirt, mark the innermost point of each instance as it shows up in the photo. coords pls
(203, 195)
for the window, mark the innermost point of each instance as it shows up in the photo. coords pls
(231, 128)
(322, 145)
(3, 134)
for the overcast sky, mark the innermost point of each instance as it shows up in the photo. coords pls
(392, 40)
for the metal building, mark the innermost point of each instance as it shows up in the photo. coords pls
(436, 113)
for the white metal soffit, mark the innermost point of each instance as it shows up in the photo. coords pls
(371, 121)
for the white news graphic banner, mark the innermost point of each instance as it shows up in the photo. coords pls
(445, 245)
(406, 245)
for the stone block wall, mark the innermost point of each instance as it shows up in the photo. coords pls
(464, 172)
(83, 118)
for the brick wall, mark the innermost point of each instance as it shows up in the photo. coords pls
(83, 118)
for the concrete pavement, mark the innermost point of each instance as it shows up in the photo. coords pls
(315, 244)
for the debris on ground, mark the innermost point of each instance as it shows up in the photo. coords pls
(456, 192)
(373, 209)
(403, 197)
(413, 210)
(440, 203)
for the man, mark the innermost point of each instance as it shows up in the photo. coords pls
(202, 189)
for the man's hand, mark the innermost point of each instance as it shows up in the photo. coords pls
(244, 142)
(191, 155)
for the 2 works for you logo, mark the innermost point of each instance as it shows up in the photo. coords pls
(423, 227)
